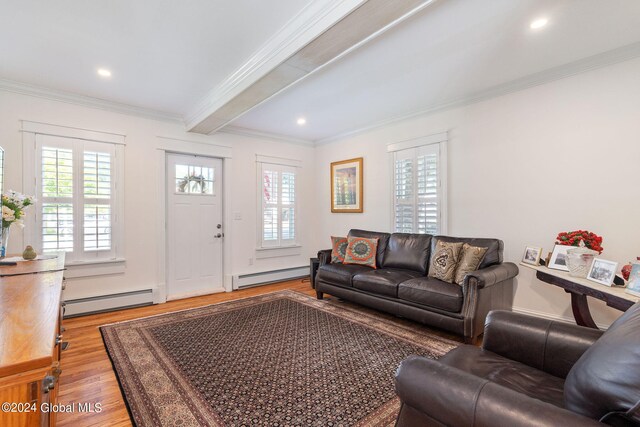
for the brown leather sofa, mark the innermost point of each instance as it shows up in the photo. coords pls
(400, 284)
(529, 372)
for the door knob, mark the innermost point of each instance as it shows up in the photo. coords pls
(217, 236)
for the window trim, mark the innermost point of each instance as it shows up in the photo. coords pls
(440, 140)
(31, 174)
(281, 165)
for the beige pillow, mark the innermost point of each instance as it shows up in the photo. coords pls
(470, 259)
(444, 260)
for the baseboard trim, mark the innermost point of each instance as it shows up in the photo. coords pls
(105, 303)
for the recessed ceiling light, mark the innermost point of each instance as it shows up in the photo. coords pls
(301, 121)
(103, 72)
(538, 23)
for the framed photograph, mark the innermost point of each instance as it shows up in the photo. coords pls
(346, 186)
(532, 255)
(633, 287)
(602, 271)
(558, 260)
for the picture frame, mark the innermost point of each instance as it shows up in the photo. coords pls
(602, 271)
(633, 287)
(558, 260)
(347, 186)
(532, 255)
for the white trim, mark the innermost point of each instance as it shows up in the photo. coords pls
(264, 277)
(550, 316)
(79, 269)
(190, 147)
(594, 62)
(236, 130)
(72, 132)
(278, 251)
(86, 101)
(303, 28)
(417, 142)
(278, 161)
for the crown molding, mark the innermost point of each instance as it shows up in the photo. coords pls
(580, 66)
(86, 101)
(235, 130)
(311, 21)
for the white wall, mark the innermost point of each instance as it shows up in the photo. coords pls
(141, 196)
(522, 167)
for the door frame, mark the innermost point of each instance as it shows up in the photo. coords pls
(169, 145)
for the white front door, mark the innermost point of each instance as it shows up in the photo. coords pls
(194, 226)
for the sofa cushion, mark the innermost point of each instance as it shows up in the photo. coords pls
(339, 274)
(470, 259)
(383, 239)
(361, 250)
(338, 249)
(444, 260)
(408, 251)
(382, 282)
(494, 248)
(433, 293)
(607, 376)
(508, 373)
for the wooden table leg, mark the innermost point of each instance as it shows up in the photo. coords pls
(581, 313)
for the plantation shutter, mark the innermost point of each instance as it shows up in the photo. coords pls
(417, 190)
(76, 191)
(278, 186)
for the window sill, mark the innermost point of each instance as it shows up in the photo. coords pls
(278, 251)
(103, 267)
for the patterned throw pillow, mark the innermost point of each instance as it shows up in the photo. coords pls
(338, 249)
(470, 259)
(361, 251)
(444, 261)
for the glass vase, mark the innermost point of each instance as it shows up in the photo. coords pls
(4, 241)
(579, 261)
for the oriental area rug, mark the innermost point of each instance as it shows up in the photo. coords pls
(279, 359)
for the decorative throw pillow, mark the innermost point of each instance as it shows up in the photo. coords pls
(470, 259)
(444, 261)
(361, 251)
(338, 249)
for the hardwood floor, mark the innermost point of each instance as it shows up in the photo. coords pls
(87, 375)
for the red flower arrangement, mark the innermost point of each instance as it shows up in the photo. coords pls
(573, 238)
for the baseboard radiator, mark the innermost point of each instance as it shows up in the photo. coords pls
(104, 303)
(240, 281)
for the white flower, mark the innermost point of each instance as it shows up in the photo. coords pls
(8, 214)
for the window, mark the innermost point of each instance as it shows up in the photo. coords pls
(418, 193)
(194, 180)
(278, 205)
(77, 208)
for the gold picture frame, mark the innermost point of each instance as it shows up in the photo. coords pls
(347, 194)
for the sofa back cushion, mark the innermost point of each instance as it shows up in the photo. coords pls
(607, 376)
(383, 240)
(491, 257)
(408, 251)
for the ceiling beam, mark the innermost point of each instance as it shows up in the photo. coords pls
(330, 32)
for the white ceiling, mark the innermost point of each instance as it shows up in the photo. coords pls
(451, 50)
(164, 54)
(168, 55)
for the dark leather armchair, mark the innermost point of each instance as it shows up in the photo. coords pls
(529, 372)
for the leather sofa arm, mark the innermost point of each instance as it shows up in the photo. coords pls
(456, 398)
(324, 256)
(553, 347)
(491, 275)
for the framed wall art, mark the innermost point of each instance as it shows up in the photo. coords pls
(346, 186)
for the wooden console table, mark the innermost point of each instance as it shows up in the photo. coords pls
(580, 289)
(30, 341)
